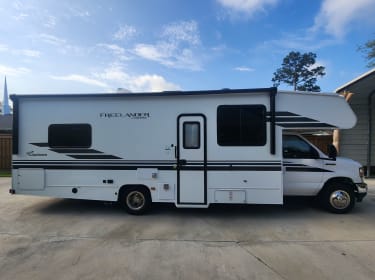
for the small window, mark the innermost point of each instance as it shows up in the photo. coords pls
(191, 139)
(69, 135)
(296, 147)
(241, 125)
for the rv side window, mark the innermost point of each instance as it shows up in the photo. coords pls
(191, 135)
(241, 125)
(69, 135)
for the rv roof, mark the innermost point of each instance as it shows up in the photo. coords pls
(164, 93)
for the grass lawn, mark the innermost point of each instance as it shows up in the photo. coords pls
(5, 173)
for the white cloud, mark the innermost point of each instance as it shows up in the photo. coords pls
(244, 69)
(183, 31)
(115, 77)
(81, 79)
(118, 78)
(125, 32)
(151, 83)
(34, 14)
(50, 21)
(20, 17)
(114, 73)
(178, 47)
(169, 55)
(305, 41)
(119, 52)
(29, 53)
(13, 71)
(337, 16)
(152, 52)
(62, 46)
(24, 52)
(248, 7)
(52, 40)
(18, 5)
(3, 48)
(78, 12)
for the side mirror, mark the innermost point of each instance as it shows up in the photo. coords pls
(332, 152)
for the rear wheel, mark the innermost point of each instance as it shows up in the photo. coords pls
(338, 198)
(135, 200)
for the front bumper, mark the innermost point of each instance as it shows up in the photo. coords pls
(361, 191)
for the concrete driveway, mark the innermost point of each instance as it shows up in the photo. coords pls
(47, 238)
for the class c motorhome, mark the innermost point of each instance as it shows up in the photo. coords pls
(191, 148)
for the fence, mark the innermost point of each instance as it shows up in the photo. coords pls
(5, 151)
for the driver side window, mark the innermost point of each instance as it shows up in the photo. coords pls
(296, 147)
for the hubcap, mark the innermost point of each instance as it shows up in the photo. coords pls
(135, 200)
(340, 199)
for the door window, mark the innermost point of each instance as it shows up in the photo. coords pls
(296, 147)
(191, 138)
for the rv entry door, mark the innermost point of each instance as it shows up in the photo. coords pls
(191, 160)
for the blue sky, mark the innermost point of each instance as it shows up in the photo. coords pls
(88, 46)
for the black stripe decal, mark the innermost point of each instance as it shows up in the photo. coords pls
(94, 156)
(235, 168)
(306, 169)
(75, 151)
(40, 144)
(94, 163)
(92, 167)
(283, 114)
(297, 119)
(171, 167)
(302, 125)
(135, 162)
(66, 162)
(232, 164)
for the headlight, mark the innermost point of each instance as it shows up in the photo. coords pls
(361, 172)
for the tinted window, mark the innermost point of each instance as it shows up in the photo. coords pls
(191, 135)
(241, 125)
(69, 135)
(296, 147)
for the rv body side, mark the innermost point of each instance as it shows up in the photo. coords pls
(180, 148)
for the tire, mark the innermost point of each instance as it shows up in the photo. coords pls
(338, 198)
(135, 200)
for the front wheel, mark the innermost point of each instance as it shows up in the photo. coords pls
(338, 198)
(136, 201)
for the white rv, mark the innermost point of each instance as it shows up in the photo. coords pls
(191, 148)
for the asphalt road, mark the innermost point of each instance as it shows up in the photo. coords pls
(47, 238)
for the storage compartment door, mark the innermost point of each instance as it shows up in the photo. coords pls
(31, 179)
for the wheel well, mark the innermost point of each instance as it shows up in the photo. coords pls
(337, 180)
(124, 188)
